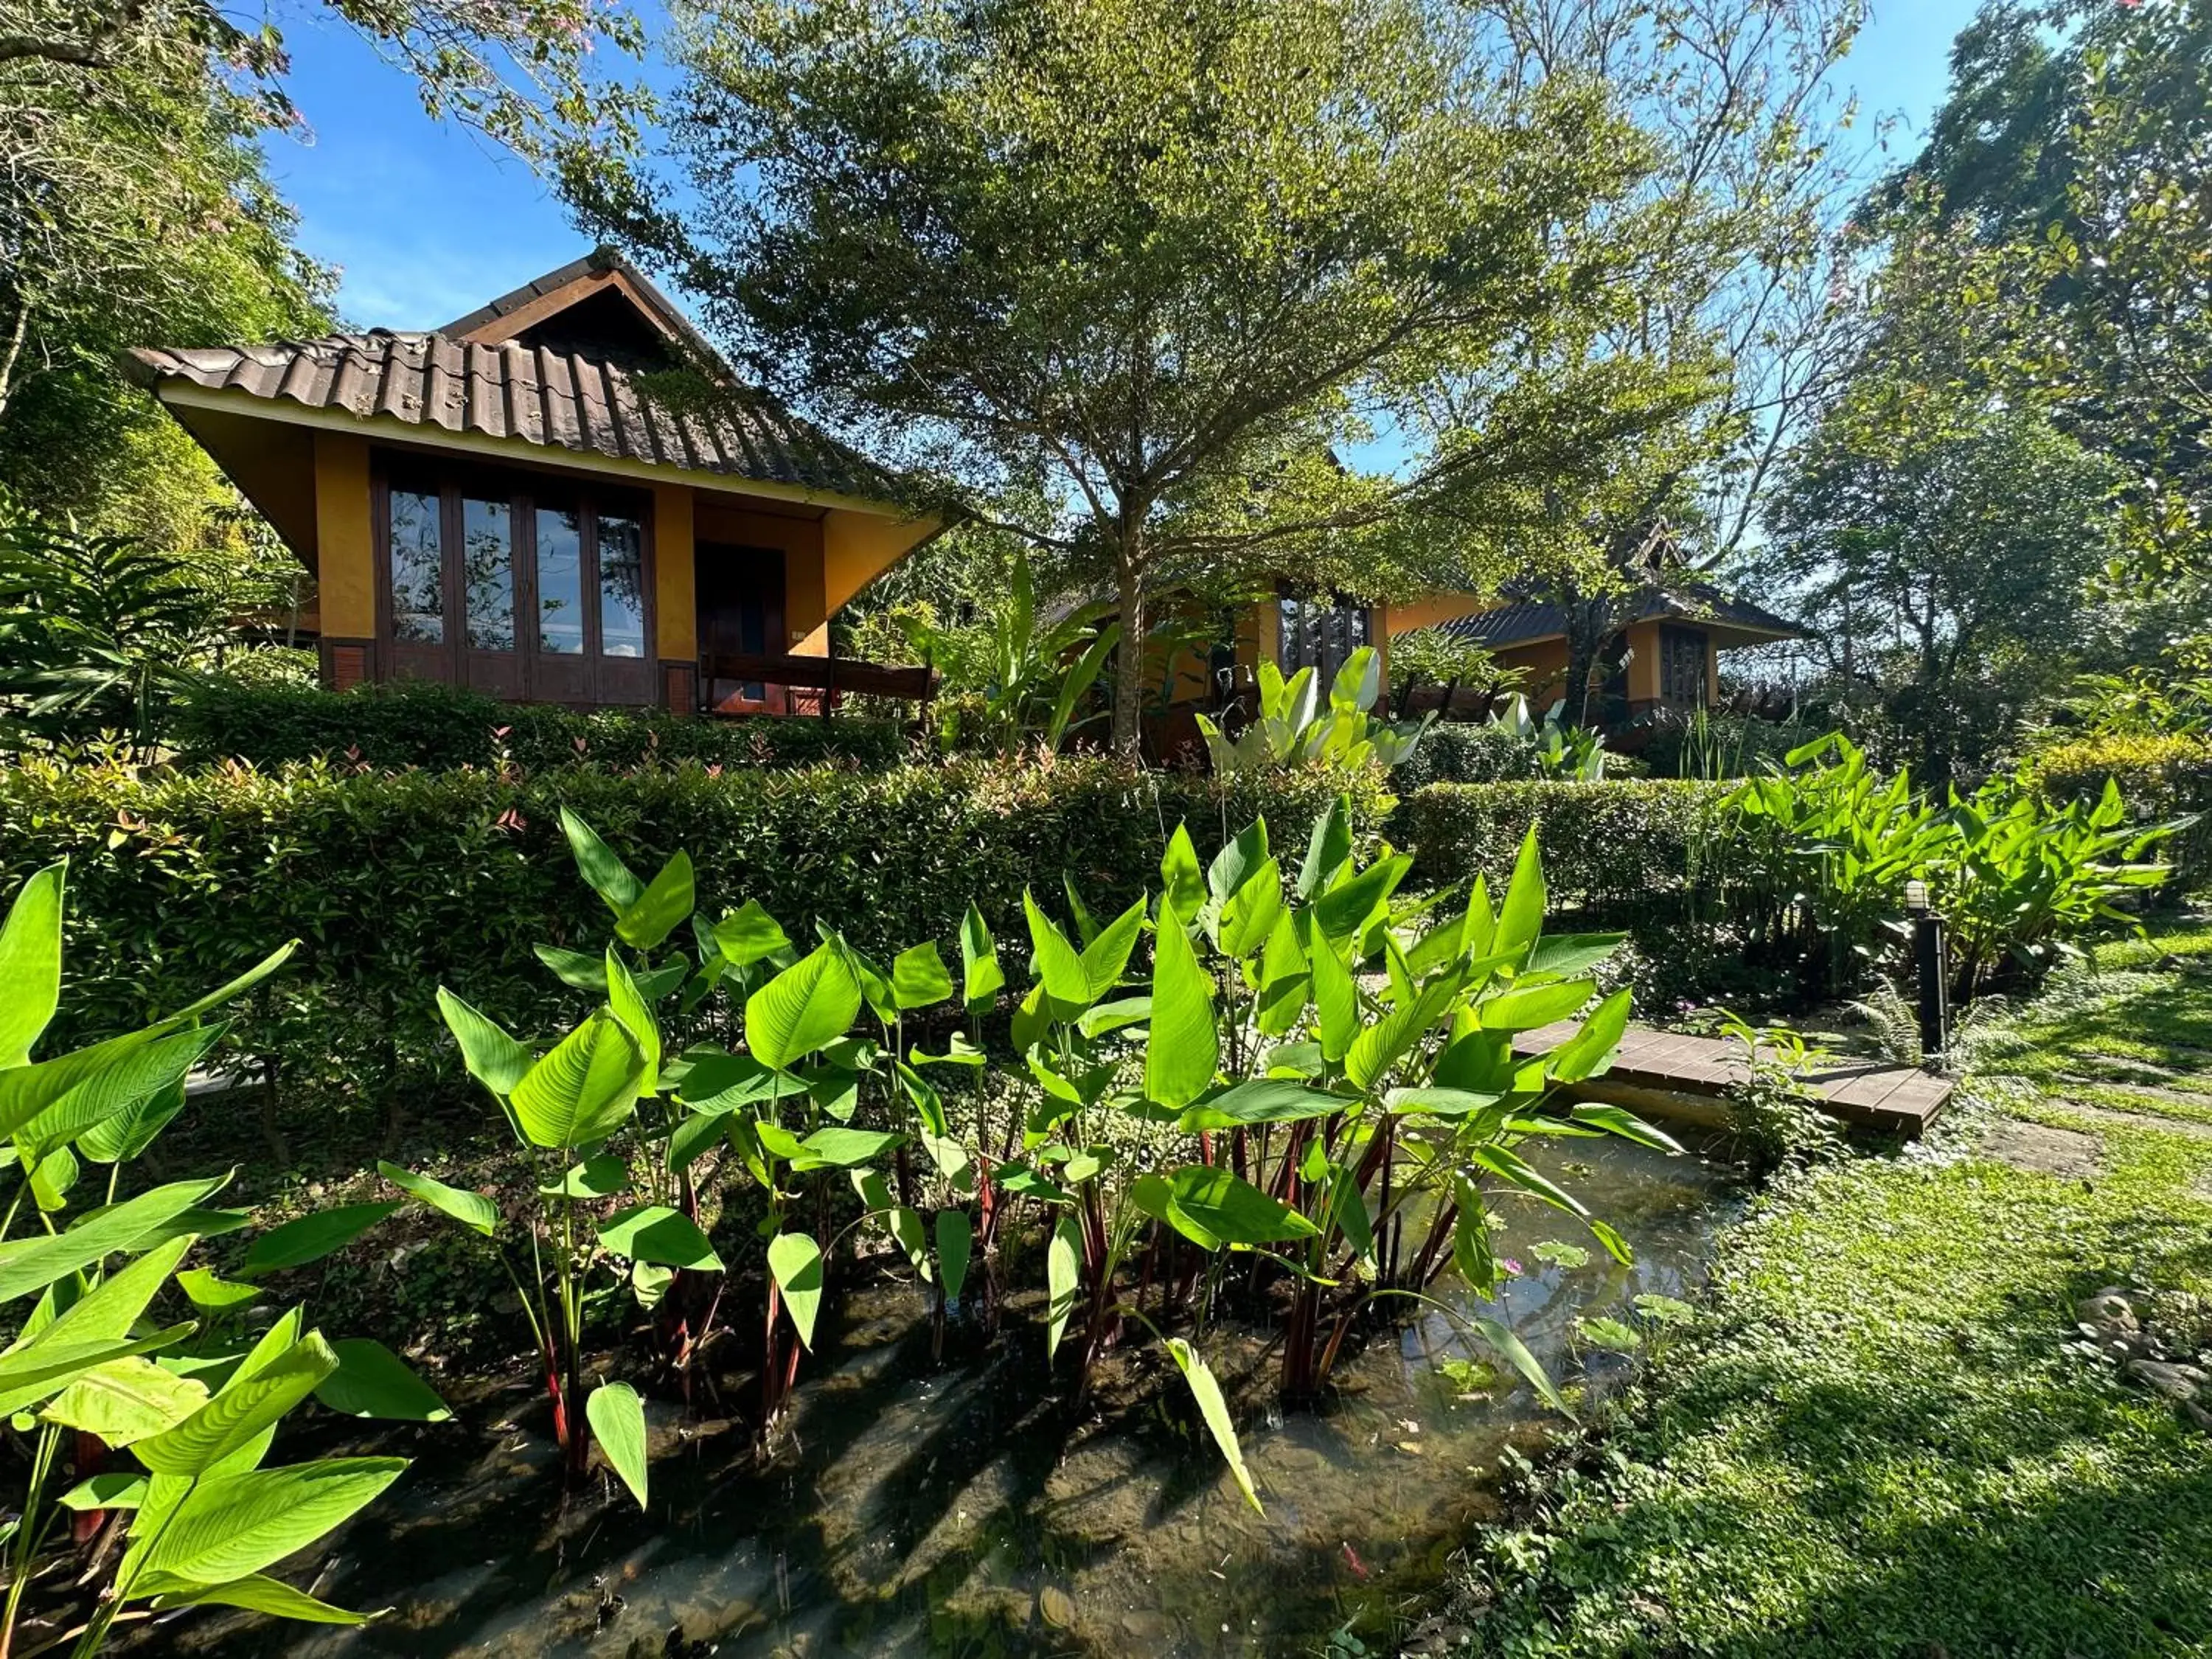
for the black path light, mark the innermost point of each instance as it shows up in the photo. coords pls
(1931, 962)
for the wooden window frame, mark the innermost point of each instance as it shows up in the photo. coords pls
(523, 491)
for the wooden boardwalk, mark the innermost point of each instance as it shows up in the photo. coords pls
(1667, 1075)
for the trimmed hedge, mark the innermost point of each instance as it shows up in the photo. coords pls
(397, 883)
(2162, 776)
(1467, 753)
(1613, 848)
(441, 727)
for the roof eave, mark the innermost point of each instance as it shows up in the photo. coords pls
(178, 391)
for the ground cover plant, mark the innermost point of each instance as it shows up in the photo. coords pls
(1887, 1434)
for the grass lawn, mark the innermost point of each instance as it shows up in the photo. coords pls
(1888, 1438)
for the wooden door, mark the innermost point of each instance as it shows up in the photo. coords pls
(740, 596)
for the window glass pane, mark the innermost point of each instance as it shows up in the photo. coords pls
(621, 586)
(560, 582)
(418, 603)
(488, 574)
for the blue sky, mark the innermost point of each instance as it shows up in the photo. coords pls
(428, 221)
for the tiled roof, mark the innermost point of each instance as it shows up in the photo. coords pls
(561, 400)
(1523, 620)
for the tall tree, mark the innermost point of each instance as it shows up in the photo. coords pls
(1740, 293)
(1942, 559)
(1154, 259)
(136, 206)
(2065, 174)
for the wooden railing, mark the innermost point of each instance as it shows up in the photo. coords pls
(831, 676)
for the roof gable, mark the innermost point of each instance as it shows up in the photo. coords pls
(601, 305)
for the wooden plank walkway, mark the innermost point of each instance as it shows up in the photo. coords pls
(1667, 1074)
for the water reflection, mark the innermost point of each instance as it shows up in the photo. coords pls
(959, 1511)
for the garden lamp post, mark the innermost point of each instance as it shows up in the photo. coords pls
(1932, 970)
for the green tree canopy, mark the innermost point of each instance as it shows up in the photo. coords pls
(1155, 261)
(1944, 562)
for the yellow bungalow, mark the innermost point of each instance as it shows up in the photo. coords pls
(1665, 654)
(494, 503)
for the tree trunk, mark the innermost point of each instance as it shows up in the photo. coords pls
(1129, 664)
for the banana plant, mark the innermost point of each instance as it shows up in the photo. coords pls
(89, 1377)
(1293, 727)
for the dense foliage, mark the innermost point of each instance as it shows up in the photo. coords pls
(398, 883)
(439, 728)
(103, 1289)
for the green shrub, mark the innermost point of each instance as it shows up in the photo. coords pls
(1613, 849)
(441, 727)
(1467, 753)
(2162, 776)
(397, 883)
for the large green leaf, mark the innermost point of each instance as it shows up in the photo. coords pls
(1106, 959)
(1335, 998)
(1183, 1049)
(956, 1245)
(1344, 912)
(1525, 1009)
(30, 1265)
(1570, 954)
(1063, 1273)
(122, 1085)
(255, 1593)
(125, 1135)
(1214, 1408)
(48, 1364)
(231, 1526)
(631, 1006)
(808, 1005)
(606, 874)
(982, 979)
(617, 1419)
(1184, 877)
(581, 970)
(660, 909)
(1383, 1044)
(795, 1260)
(112, 1307)
(655, 1233)
(1212, 1207)
(1262, 1100)
(584, 1090)
(749, 933)
(1239, 862)
(372, 1381)
(252, 1400)
(919, 978)
(312, 1237)
(31, 962)
(1059, 964)
(601, 1175)
(1249, 913)
(1327, 848)
(1520, 915)
(1590, 1050)
(472, 1210)
(840, 1149)
(125, 1401)
(494, 1059)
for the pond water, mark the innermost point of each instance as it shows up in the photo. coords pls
(961, 1508)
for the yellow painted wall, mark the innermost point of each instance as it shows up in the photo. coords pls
(1436, 608)
(1545, 663)
(345, 553)
(674, 590)
(859, 547)
(1644, 663)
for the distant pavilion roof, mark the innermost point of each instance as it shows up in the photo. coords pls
(1523, 621)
